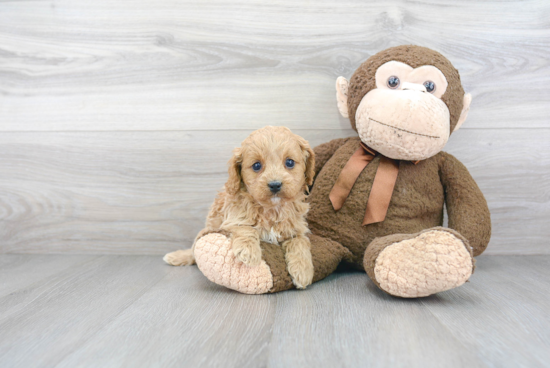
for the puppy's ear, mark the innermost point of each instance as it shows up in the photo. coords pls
(233, 184)
(309, 158)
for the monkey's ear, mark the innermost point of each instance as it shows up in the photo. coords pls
(464, 113)
(233, 184)
(342, 95)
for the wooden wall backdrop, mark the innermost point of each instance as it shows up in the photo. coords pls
(117, 117)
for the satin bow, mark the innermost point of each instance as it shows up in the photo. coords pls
(382, 187)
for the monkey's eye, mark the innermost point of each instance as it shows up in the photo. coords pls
(257, 166)
(430, 86)
(289, 163)
(393, 82)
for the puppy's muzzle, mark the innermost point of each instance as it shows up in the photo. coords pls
(275, 186)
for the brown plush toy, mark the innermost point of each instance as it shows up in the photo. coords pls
(377, 200)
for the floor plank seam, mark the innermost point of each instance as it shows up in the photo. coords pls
(113, 318)
(455, 338)
(21, 309)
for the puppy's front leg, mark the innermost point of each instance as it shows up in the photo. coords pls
(245, 242)
(298, 261)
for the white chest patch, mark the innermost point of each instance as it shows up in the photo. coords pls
(275, 200)
(270, 237)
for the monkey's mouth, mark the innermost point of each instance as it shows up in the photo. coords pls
(404, 130)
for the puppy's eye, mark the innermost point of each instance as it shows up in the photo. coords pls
(430, 86)
(257, 166)
(289, 163)
(393, 82)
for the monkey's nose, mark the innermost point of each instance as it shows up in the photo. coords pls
(413, 87)
(275, 186)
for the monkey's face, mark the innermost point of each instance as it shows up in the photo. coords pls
(403, 106)
(404, 117)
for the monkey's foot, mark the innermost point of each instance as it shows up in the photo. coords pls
(217, 262)
(411, 266)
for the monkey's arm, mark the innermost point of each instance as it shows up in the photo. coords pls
(324, 152)
(466, 206)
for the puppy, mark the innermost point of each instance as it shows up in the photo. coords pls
(264, 200)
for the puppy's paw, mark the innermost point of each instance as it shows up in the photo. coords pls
(300, 268)
(247, 251)
(180, 258)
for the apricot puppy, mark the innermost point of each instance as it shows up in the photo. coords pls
(264, 200)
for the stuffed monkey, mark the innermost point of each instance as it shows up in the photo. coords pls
(377, 201)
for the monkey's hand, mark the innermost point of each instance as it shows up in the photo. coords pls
(466, 206)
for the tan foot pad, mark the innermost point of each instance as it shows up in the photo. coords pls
(216, 261)
(432, 262)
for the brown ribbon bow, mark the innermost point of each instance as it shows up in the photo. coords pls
(382, 187)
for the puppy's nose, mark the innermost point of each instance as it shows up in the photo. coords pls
(275, 186)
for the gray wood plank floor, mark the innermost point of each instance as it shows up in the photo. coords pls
(135, 311)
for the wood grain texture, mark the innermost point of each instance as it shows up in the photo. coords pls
(185, 320)
(188, 65)
(44, 321)
(112, 192)
(120, 311)
(148, 193)
(15, 269)
(117, 118)
(346, 321)
(502, 314)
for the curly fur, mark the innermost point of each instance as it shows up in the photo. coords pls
(249, 212)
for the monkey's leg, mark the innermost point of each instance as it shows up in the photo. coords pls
(422, 264)
(217, 262)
